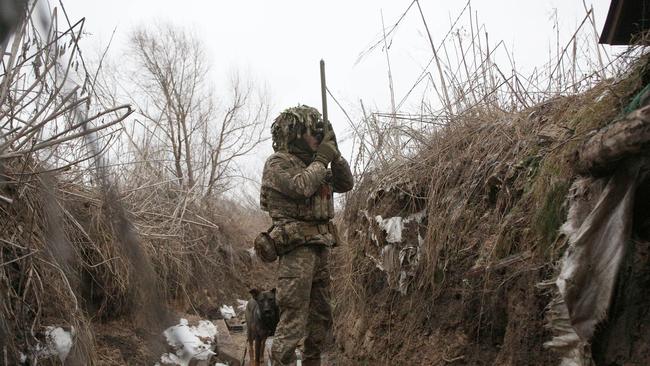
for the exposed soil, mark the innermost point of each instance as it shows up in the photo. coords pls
(624, 339)
(464, 325)
(493, 187)
(119, 344)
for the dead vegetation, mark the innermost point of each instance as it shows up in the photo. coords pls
(93, 230)
(490, 168)
(94, 225)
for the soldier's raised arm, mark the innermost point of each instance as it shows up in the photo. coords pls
(342, 179)
(283, 173)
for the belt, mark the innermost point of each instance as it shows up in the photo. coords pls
(312, 229)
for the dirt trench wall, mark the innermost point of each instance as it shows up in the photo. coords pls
(479, 278)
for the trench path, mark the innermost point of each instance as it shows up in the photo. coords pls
(234, 344)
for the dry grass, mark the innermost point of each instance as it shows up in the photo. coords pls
(493, 186)
(83, 241)
(491, 169)
(65, 262)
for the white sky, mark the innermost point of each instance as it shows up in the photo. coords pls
(280, 42)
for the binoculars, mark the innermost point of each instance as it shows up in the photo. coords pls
(319, 131)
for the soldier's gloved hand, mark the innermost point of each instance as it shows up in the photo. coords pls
(327, 151)
(333, 136)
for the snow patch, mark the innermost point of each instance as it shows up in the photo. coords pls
(190, 342)
(58, 343)
(227, 311)
(393, 226)
(398, 257)
(241, 305)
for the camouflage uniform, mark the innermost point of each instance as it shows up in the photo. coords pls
(298, 195)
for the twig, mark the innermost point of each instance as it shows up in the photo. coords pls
(51, 142)
(19, 258)
(435, 56)
(6, 200)
(451, 360)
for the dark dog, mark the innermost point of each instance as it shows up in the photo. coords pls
(262, 316)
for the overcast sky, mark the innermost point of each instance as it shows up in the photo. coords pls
(279, 43)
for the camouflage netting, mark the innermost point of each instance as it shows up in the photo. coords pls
(292, 123)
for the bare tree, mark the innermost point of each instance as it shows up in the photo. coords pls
(203, 135)
(240, 131)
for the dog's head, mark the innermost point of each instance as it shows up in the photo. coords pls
(266, 303)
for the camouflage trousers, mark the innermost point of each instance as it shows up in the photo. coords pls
(304, 301)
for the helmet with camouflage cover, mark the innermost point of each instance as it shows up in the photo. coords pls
(292, 123)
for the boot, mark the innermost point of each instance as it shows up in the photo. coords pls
(294, 363)
(314, 362)
(273, 362)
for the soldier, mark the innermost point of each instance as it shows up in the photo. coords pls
(297, 192)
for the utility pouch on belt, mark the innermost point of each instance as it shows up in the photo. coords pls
(265, 246)
(287, 237)
(325, 233)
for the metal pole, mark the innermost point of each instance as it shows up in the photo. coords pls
(323, 91)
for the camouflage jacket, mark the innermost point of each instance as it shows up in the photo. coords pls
(294, 192)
